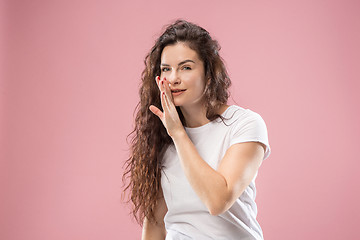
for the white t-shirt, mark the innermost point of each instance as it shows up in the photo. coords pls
(187, 216)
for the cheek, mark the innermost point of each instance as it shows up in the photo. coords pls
(200, 84)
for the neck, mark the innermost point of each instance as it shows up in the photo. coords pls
(195, 115)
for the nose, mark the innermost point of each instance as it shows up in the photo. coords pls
(173, 78)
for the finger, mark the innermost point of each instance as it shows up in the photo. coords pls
(161, 85)
(171, 102)
(156, 111)
(167, 103)
(168, 94)
(157, 80)
(162, 100)
(168, 91)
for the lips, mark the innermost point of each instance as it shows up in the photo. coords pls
(177, 90)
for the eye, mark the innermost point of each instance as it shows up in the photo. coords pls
(189, 68)
(163, 69)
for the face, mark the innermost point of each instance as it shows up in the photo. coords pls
(183, 70)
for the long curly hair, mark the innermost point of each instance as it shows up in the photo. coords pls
(149, 137)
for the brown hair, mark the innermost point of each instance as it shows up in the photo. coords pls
(150, 137)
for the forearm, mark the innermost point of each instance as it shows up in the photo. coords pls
(153, 231)
(210, 185)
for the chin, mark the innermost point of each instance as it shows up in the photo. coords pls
(177, 104)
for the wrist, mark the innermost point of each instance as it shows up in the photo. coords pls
(178, 134)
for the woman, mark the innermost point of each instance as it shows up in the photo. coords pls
(194, 158)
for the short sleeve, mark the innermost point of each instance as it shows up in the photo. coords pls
(251, 127)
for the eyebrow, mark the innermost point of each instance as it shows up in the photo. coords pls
(185, 61)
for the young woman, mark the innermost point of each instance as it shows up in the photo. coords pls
(194, 159)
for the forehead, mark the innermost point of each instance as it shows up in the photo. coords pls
(173, 54)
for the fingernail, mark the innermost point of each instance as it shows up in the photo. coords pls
(158, 78)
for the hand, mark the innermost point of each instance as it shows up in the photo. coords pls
(170, 117)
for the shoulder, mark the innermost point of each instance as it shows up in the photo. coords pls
(239, 114)
(249, 126)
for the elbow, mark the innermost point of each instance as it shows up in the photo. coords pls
(222, 204)
(215, 212)
(219, 208)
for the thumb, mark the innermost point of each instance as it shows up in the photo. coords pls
(156, 111)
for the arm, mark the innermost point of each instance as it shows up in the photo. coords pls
(219, 189)
(156, 231)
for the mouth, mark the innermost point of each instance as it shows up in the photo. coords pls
(179, 90)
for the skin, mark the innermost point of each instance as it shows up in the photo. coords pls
(189, 76)
(217, 189)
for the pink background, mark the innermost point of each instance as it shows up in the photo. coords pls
(70, 72)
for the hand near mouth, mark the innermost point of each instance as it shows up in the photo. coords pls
(170, 117)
